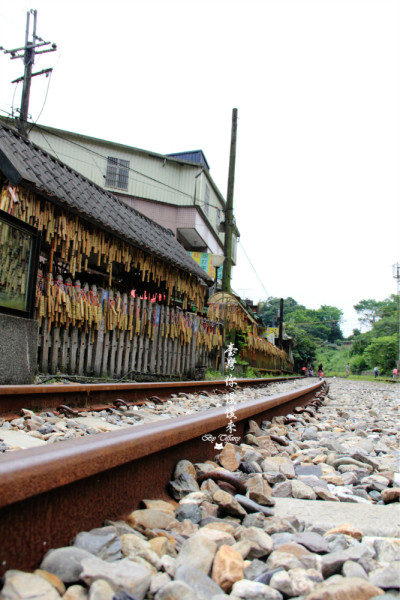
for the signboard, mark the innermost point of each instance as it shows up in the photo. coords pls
(19, 253)
(203, 259)
(271, 333)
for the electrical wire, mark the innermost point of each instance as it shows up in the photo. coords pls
(81, 146)
(44, 102)
(252, 266)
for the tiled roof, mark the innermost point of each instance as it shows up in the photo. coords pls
(23, 162)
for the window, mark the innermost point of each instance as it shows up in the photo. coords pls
(19, 247)
(117, 174)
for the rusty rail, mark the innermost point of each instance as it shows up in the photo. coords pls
(49, 494)
(96, 395)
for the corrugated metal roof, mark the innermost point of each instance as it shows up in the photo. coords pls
(196, 156)
(22, 162)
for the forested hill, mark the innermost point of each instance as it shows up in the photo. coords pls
(319, 337)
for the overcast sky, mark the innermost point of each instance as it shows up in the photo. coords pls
(316, 84)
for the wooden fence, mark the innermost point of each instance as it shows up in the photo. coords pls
(154, 347)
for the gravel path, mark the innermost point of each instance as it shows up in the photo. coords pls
(215, 541)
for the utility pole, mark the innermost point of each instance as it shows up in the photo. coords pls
(396, 275)
(280, 330)
(27, 53)
(229, 220)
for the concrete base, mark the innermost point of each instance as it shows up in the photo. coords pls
(18, 350)
(372, 520)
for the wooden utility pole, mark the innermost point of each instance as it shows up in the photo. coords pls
(280, 331)
(229, 220)
(27, 53)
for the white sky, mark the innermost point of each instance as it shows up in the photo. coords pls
(316, 84)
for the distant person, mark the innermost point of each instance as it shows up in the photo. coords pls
(348, 369)
(376, 372)
(303, 371)
(311, 372)
(395, 373)
(320, 371)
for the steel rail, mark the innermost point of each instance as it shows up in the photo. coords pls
(96, 395)
(49, 494)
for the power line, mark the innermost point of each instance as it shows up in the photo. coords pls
(130, 169)
(252, 266)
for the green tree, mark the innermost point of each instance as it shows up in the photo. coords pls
(269, 310)
(323, 323)
(305, 349)
(382, 352)
(369, 311)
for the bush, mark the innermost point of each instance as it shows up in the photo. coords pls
(358, 364)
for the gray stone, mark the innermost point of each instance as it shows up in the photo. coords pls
(176, 590)
(338, 542)
(122, 575)
(184, 484)
(158, 581)
(228, 504)
(273, 477)
(261, 543)
(252, 590)
(352, 569)
(302, 490)
(282, 490)
(312, 541)
(255, 569)
(254, 520)
(101, 590)
(296, 582)
(203, 586)
(362, 456)
(188, 511)
(266, 576)
(27, 586)
(313, 481)
(198, 551)
(103, 542)
(333, 562)
(387, 578)
(314, 470)
(66, 563)
(287, 560)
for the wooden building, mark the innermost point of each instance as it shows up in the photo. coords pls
(115, 292)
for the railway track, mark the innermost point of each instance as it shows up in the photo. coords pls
(49, 494)
(97, 396)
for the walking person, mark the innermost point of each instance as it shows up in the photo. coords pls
(376, 372)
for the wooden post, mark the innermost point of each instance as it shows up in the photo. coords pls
(98, 349)
(106, 346)
(45, 346)
(73, 351)
(89, 352)
(113, 351)
(145, 366)
(82, 352)
(64, 349)
(165, 351)
(156, 333)
(141, 337)
(160, 344)
(55, 345)
(135, 338)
